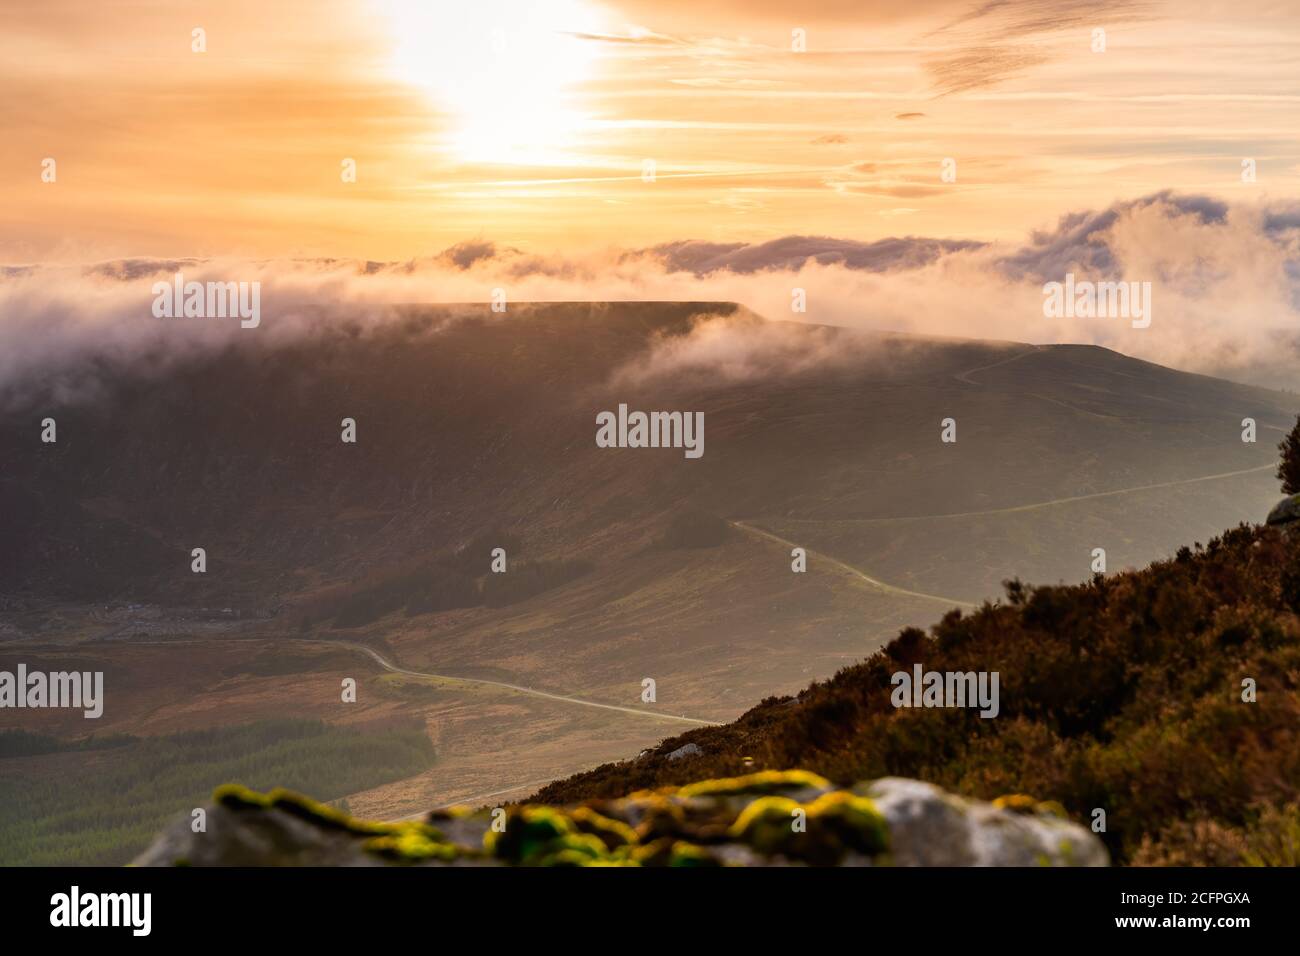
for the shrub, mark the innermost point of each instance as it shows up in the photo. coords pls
(1123, 693)
(1289, 468)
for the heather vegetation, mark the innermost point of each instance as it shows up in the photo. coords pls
(1128, 693)
(128, 788)
(1289, 469)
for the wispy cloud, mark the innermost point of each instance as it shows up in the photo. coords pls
(997, 40)
(1225, 277)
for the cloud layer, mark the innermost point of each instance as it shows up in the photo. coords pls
(1225, 280)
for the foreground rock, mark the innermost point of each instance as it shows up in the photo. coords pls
(1286, 511)
(764, 819)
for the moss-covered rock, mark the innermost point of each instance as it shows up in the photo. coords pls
(763, 819)
(823, 832)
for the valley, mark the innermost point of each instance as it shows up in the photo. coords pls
(371, 561)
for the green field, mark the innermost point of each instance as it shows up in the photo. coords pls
(101, 805)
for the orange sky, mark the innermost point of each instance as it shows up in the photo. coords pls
(529, 122)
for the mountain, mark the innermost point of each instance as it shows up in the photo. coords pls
(645, 592)
(470, 425)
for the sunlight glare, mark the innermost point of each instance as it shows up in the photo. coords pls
(503, 69)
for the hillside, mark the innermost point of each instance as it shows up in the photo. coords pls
(471, 427)
(330, 561)
(1123, 694)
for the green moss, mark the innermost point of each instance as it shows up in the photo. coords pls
(1023, 803)
(614, 833)
(667, 851)
(1016, 803)
(324, 816)
(655, 853)
(833, 824)
(857, 821)
(661, 817)
(236, 797)
(763, 782)
(615, 861)
(1066, 850)
(449, 813)
(413, 845)
(1052, 808)
(575, 849)
(529, 833)
(764, 813)
(545, 836)
(685, 854)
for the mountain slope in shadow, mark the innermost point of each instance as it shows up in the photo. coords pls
(477, 431)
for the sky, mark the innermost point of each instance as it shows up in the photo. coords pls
(544, 125)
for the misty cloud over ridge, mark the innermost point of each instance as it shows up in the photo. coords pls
(1079, 240)
(1225, 278)
(792, 253)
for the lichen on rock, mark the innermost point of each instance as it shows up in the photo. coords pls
(771, 818)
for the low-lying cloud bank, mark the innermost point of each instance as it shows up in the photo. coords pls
(1225, 281)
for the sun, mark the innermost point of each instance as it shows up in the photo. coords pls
(503, 70)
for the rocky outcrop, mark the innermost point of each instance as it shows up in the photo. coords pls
(764, 819)
(1286, 511)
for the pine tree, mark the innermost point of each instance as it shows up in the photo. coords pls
(1289, 469)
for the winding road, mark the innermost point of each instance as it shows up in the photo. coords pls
(894, 589)
(393, 668)
(1038, 504)
(850, 569)
(966, 375)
